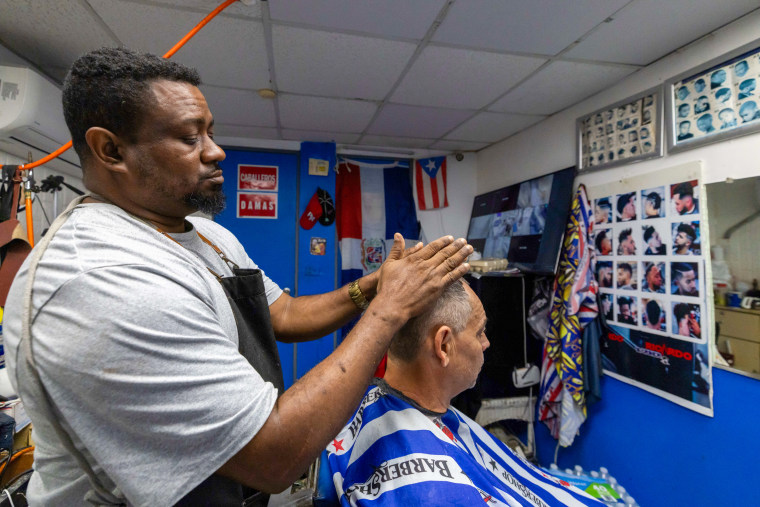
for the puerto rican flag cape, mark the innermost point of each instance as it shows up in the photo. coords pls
(391, 453)
(562, 403)
(373, 201)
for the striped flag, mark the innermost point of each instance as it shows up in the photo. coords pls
(373, 202)
(430, 180)
(391, 453)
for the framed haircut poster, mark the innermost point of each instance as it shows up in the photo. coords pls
(624, 132)
(716, 101)
(651, 243)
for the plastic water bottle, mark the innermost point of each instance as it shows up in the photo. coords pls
(621, 491)
(594, 474)
(553, 466)
(568, 471)
(604, 472)
(630, 502)
(578, 470)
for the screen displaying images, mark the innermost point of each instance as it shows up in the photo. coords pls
(525, 222)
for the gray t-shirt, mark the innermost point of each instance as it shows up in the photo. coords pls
(137, 347)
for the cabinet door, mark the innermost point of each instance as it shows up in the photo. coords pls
(739, 324)
(746, 353)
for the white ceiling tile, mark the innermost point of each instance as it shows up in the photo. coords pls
(51, 33)
(8, 57)
(239, 107)
(324, 114)
(539, 26)
(222, 131)
(227, 51)
(206, 6)
(396, 142)
(462, 79)
(337, 65)
(389, 18)
(648, 29)
(411, 121)
(559, 85)
(447, 145)
(492, 127)
(57, 73)
(319, 137)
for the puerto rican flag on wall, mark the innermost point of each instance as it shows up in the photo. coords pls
(373, 201)
(430, 180)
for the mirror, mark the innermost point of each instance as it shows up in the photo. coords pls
(733, 211)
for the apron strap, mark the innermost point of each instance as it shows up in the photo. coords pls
(99, 494)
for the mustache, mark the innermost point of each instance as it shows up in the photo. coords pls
(216, 168)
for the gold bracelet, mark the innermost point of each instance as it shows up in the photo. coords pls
(357, 296)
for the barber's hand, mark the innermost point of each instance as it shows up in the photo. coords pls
(694, 326)
(410, 280)
(369, 283)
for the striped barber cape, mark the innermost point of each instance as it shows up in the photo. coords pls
(394, 453)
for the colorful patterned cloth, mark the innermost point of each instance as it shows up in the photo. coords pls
(562, 404)
(392, 453)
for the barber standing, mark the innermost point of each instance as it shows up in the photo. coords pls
(141, 340)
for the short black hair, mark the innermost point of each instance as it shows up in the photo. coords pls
(681, 268)
(625, 267)
(688, 230)
(648, 233)
(653, 311)
(649, 267)
(622, 201)
(624, 300)
(624, 234)
(600, 236)
(684, 189)
(655, 199)
(108, 88)
(681, 310)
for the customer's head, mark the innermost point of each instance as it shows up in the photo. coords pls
(448, 338)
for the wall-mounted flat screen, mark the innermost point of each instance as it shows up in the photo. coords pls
(524, 222)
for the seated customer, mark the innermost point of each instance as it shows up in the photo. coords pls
(407, 446)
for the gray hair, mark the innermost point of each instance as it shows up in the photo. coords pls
(453, 309)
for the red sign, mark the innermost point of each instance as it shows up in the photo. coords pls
(258, 177)
(256, 205)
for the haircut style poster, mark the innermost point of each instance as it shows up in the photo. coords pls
(650, 266)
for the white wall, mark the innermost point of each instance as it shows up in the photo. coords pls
(550, 145)
(460, 189)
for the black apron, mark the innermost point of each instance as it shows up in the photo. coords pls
(245, 292)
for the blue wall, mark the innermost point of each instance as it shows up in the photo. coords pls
(316, 273)
(665, 454)
(269, 243)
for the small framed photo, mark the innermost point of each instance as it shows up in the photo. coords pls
(715, 101)
(627, 131)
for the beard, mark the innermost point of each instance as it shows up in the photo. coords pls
(209, 203)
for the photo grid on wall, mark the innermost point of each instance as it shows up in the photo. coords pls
(648, 241)
(717, 100)
(619, 133)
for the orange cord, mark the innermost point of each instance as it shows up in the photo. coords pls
(169, 54)
(62, 149)
(200, 25)
(29, 219)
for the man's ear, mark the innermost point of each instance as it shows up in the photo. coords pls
(444, 344)
(106, 147)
